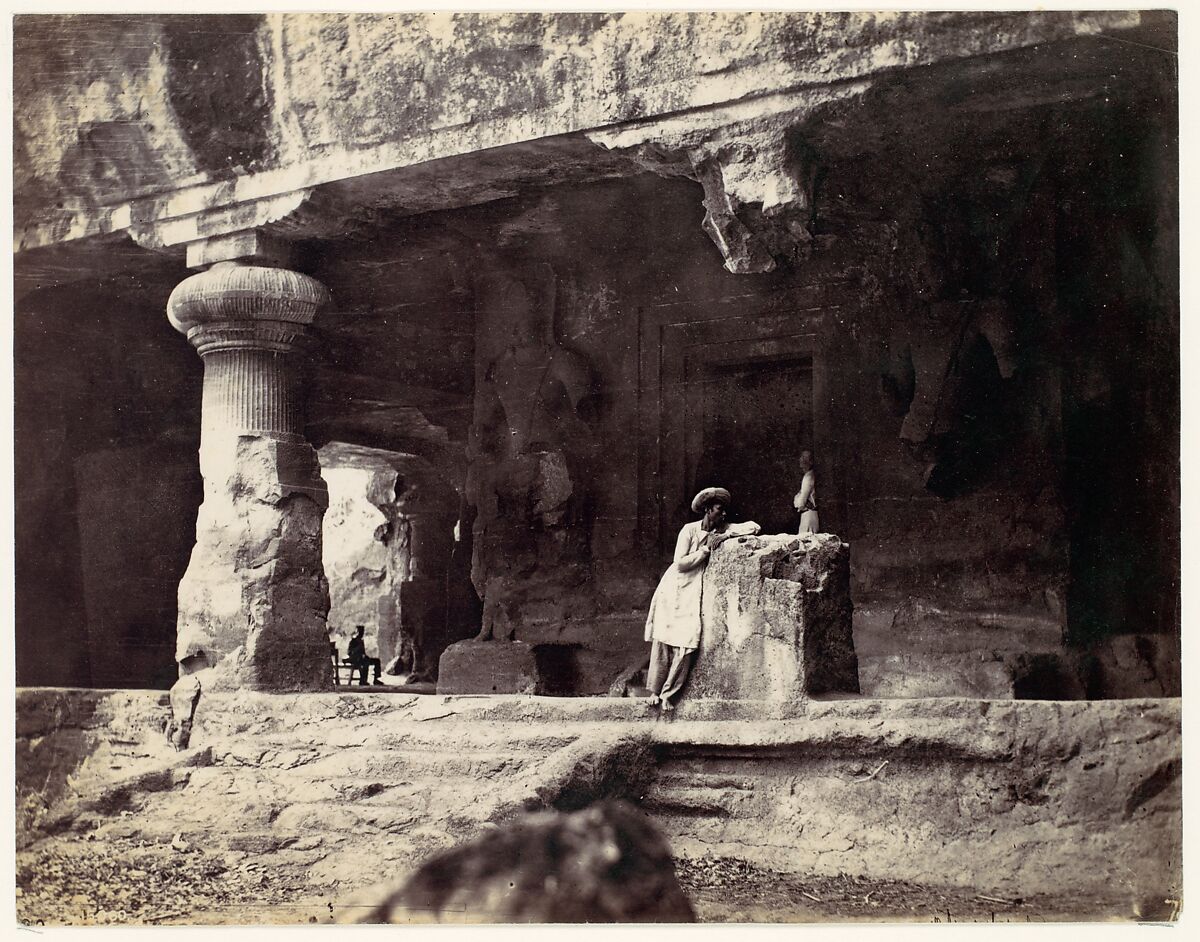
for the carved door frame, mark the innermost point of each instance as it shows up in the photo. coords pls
(676, 356)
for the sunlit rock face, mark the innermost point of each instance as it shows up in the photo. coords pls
(365, 556)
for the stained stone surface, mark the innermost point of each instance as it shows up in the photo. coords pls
(776, 615)
(365, 557)
(979, 674)
(281, 94)
(252, 604)
(489, 667)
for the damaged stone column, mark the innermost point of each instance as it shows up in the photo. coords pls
(253, 602)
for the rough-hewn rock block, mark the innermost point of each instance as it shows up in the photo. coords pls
(776, 615)
(489, 667)
(253, 601)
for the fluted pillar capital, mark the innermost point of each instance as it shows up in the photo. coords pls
(251, 324)
(264, 336)
(236, 305)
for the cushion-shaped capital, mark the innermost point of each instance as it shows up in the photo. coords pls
(232, 292)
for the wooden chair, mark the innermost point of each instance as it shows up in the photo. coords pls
(341, 664)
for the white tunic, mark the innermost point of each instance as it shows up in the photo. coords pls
(806, 502)
(674, 616)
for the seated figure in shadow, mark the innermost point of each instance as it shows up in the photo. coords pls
(356, 654)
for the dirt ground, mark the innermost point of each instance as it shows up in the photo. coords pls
(727, 889)
(126, 882)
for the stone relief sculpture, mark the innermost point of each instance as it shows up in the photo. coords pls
(531, 441)
(928, 370)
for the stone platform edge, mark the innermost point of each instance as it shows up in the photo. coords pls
(41, 710)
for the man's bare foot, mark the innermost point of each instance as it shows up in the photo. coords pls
(667, 706)
(654, 701)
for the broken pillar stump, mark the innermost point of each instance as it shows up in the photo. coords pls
(183, 699)
(489, 667)
(776, 616)
(252, 602)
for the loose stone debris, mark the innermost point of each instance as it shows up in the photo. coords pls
(729, 889)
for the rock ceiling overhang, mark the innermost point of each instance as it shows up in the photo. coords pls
(336, 194)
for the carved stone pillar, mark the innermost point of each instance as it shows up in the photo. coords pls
(253, 602)
(422, 594)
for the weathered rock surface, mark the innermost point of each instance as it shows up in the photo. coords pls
(758, 182)
(183, 698)
(1007, 798)
(606, 863)
(364, 555)
(776, 616)
(1135, 666)
(253, 601)
(489, 667)
(981, 674)
(1010, 798)
(283, 95)
(72, 745)
(914, 648)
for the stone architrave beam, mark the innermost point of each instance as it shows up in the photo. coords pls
(253, 602)
(203, 226)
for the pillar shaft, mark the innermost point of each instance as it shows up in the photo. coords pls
(247, 390)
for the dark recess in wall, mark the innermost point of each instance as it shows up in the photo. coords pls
(216, 85)
(106, 431)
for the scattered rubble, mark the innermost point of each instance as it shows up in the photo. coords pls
(730, 889)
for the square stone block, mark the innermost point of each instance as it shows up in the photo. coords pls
(776, 620)
(489, 667)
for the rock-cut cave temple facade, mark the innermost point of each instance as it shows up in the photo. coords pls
(435, 322)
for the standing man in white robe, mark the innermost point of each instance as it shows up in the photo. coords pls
(673, 624)
(805, 500)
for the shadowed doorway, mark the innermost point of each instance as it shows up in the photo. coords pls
(757, 418)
